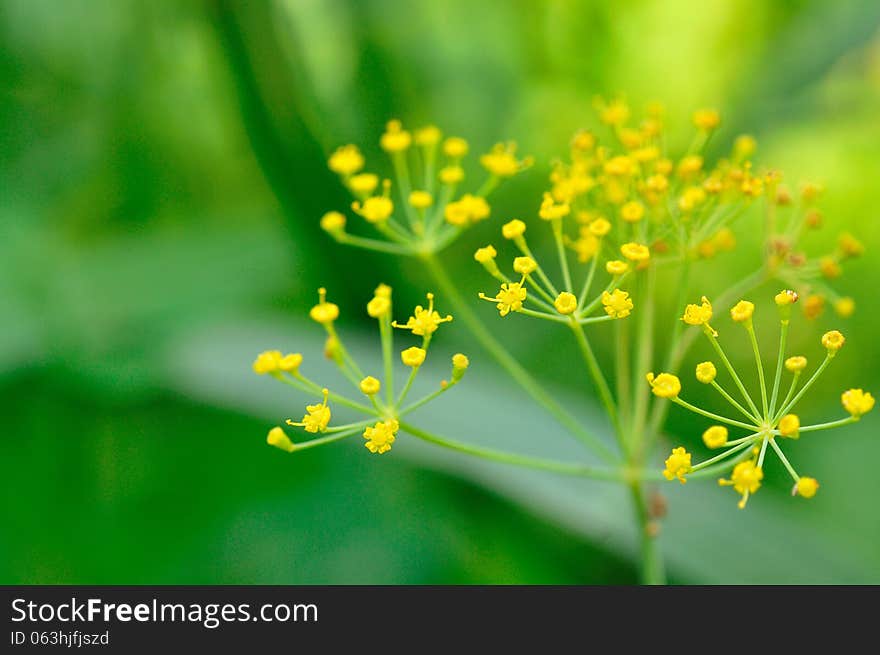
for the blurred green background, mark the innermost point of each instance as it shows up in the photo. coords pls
(162, 173)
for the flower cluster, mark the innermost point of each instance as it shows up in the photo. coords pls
(431, 211)
(385, 410)
(769, 417)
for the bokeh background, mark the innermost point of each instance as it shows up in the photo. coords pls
(161, 176)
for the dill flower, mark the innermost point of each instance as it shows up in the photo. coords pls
(460, 364)
(635, 252)
(678, 464)
(455, 147)
(857, 402)
(796, 364)
(413, 356)
(395, 139)
(370, 385)
(381, 436)
(664, 385)
(267, 362)
(632, 212)
(485, 254)
(280, 440)
(833, 341)
(707, 119)
(844, 307)
(789, 425)
(805, 487)
(316, 417)
(715, 436)
(617, 303)
(324, 312)
(706, 372)
(424, 321)
(698, 314)
(364, 183)
(551, 210)
(616, 267)
(745, 480)
(510, 298)
(333, 222)
(599, 227)
(501, 161)
(524, 265)
(290, 363)
(742, 311)
(375, 209)
(566, 303)
(421, 199)
(346, 160)
(513, 229)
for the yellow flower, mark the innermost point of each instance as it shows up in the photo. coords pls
(850, 246)
(380, 304)
(421, 199)
(615, 112)
(829, 268)
(451, 174)
(510, 298)
(785, 297)
(813, 306)
(524, 265)
(796, 364)
(635, 252)
(586, 246)
(617, 304)
(429, 135)
(324, 312)
(620, 166)
(805, 487)
(346, 160)
(789, 426)
(413, 356)
(460, 364)
(715, 436)
(707, 119)
(844, 307)
(744, 146)
(502, 162)
(657, 183)
(616, 267)
(317, 416)
(664, 385)
(466, 209)
(857, 402)
(742, 311)
(267, 362)
(395, 139)
(691, 198)
(333, 222)
(513, 229)
(290, 363)
(424, 322)
(550, 210)
(279, 439)
(833, 341)
(746, 479)
(485, 254)
(381, 436)
(370, 385)
(706, 372)
(363, 183)
(698, 314)
(455, 147)
(632, 212)
(678, 464)
(600, 227)
(375, 209)
(690, 165)
(566, 303)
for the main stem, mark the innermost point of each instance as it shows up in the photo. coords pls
(509, 363)
(652, 572)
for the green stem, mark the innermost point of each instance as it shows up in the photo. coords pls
(787, 406)
(585, 290)
(304, 384)
(387, 335)
(742, 389)
(513, 458)
(510, 365)
(733, 402)
(406, 387)
(783, 334)
(598, 377)
(727, 453)
(431, 396)
(754, 339)
(652, 570)
(784, 460)
(829, 425)
(645, 339)
(372, 244)
(563, 256)
(305, 445)
(714, 417)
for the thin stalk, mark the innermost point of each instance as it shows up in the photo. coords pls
(727, 453)
(715, 417)
(645, 339)
(787, 406)
(754, 339)
(783, 334)
(785, 461)
(733, 402)
(305, 445)
(742, 389)
(304, 384)
(585, 290)
(387, 335)
(829, 424)
(652, 570)
(563, 256)
(598, 377)
(373, 244)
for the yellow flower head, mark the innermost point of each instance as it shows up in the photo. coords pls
(550, 210)
(363, 183)
(664, 385)
(317, 416)
(451, 174)
(395, 139)
(805, 487)
(421, 199)
(833, 341)
(635, 252)
(375, 209)
(280, 440)
(467, 209)
(586, 245)
(691, 198)
(615, 112)
(744, 146)
(678, 464)
(267, 362)
(617, 304)
(785, 297)
(413, 356)
(485, 254)
(513, 229)
(620, 166)
(599, 227)
(510, 298)
(525, 265)
(333, 222)
(829, 268)
(455, 147)
(632, 212)
(698, 314)
(324, 312)
(715, 436)
(706, 372)
(844, 307)
(690, 165)
(565, 303)
(616, 267)
(290, 363)
(789, 426)
(814, 305)
(857, 402)
(850, 246)
(460, 364)
(746, 479)
(346, 160)
(796, 364)
(707, 119)
(424, 322)
(742, 311)
(381, 436)
(429, 135)
(370, 385)
(502, 162)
